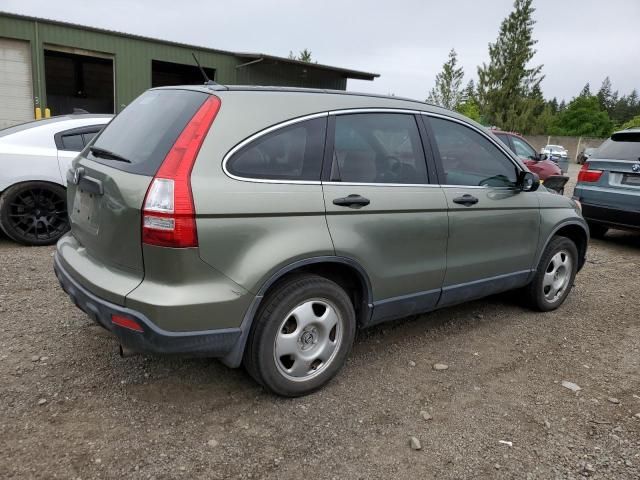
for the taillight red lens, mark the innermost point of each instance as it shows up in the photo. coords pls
(168, 217)
(587, 175)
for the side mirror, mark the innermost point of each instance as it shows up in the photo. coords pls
(528, 182)
(542, 156)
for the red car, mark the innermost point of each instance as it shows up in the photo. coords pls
(541, 165)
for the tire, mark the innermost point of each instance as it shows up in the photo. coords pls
(597, 230)
(554, 276)
(301, 336)
(34, 213)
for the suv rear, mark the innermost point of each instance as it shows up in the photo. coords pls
(263, 226)
(609, 184)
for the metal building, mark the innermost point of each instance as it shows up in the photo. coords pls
(47, 64)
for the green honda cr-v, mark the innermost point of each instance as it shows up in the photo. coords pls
(263, 226)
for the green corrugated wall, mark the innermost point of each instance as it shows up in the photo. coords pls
(132, 59)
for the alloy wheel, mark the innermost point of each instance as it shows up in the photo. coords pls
(308, 339)
(38, 214)
(557, 276)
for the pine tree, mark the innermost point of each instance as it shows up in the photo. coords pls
(586, 91)
(506, 83)
(304, 56)
(468, 105)
(537, 100)
(447, 92)
(605, 95)
(470, 92)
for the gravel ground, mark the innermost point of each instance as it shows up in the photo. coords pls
(71, 408)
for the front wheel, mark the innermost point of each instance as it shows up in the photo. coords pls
(301, 336)
(554, 276)
(34, 213)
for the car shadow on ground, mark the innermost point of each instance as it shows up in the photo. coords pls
(622, 238)
(157, 377)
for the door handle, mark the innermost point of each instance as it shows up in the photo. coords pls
(466, 200)
(352, 201)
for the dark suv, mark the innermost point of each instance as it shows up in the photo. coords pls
(609, 184)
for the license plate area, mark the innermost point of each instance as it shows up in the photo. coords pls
(631, 179)
(85, 211)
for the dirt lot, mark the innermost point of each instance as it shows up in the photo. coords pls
(71, 408)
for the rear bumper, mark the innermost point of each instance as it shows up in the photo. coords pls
(152, 339)
(612, 217)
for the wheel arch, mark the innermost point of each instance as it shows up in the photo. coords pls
(344, 271)
(577, 233)
(23, 180)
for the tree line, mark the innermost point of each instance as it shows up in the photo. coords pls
(508, 93)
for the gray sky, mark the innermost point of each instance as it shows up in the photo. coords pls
(406, 41)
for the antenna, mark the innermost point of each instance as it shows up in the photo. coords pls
(207, 80)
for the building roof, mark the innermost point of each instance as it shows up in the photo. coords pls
(355, 74)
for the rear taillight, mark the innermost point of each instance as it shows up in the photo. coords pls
(587, 175)
(168, 216)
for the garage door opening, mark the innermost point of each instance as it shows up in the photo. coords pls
(78, 82)
(165, 74)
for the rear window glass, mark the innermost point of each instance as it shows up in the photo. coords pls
(290, 153)
(619, 149)
(144, 132)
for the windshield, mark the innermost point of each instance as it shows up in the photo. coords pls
(139, 138)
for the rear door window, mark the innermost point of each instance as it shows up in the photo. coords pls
(144, 132)
(378, 148)
(290, 153)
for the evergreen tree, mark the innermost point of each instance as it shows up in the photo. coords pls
(468, 106)
(447, 92)
(583, 117)
(303, 56)
(505, 84)
(537, 100)
(586, 91)
(553, 105)
(470, 92)
(605, 95)
(625, 108)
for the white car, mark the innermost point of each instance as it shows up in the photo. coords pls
(555, 150)
(34, 159)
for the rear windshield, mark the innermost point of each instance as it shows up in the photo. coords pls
(143, 133)
(619, 150)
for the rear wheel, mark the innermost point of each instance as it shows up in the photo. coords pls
(34, 213)
(554, 276)
(301, 336)
(597, 230)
